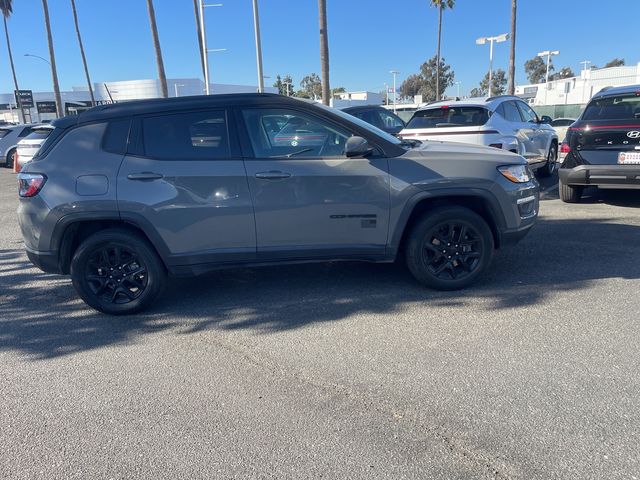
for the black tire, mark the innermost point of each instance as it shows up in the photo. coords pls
(10, 158)
(118, 272)
(462, 265)
(552, 159)
(569, 193)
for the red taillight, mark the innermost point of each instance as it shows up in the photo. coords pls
(30, 184)
(445, 107)
(576, 129)
(565, 148)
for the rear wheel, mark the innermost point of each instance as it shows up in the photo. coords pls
(449, 248)
(117, 272)
(11, 158)
(570, 194)
(552, 158)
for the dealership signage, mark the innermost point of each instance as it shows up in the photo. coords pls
(24, 98)
(46, 107)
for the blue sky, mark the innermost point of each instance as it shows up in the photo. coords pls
(367, 38)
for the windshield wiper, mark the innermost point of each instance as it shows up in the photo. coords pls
(293, 154)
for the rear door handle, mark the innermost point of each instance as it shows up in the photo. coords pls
(144, 176)
(273, 175)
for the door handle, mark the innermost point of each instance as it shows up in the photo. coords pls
(144, 176)
(272, 175)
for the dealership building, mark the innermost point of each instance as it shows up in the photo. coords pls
(78, 99)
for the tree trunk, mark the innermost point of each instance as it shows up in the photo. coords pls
(164, 91)
(13, 71)
(324, 50)
(84, 58)
(511, 88)
(440, 8)
(52, 58)
(196, 11)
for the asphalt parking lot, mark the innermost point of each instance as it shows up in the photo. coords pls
(342, 370)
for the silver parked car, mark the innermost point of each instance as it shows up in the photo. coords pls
(504, 122)
(28, 147)
(10, 135)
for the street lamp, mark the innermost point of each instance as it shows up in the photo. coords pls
(203, 41)
(256, 30)
(548, 54)
(37, 56)
(457, 84)
(176, 85)
(497, 39)
(394, 73)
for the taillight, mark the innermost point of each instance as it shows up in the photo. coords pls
(565, 148)
(30, 184)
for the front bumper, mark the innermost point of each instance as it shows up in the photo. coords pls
(615, 176)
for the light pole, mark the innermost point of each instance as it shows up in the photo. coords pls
(497, 39)
(256, 30)
(457, 84)
(584, 64)
(203, 40)
(176, 85)
(37, 56)
(548, 54)
(394, 73)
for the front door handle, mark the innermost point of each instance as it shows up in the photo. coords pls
(145, 176)
(273, 175)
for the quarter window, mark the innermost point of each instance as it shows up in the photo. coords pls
(116, 136)
(277, 132)
(186, 136)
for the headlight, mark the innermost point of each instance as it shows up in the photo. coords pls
(516, 173)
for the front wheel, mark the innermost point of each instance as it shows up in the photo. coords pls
(552, 161)
(449, 248)
(11, 158)
(117, 272)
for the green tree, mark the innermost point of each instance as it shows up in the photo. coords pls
(411, 86)
(164, 91)
(536, 69)
(311, 86)
(511, 87)
(324, 51)
(435, 79)
(564, 72)
(498, 84)
(616, 62)
(284, 85)
(441, 5)
(337, 90)
(6, 7)
(52, 60)
(84, 58)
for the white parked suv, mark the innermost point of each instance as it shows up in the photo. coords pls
(504, 122)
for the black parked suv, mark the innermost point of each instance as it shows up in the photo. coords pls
(604, 144)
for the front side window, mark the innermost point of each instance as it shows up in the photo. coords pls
(442, 117)
(527, 113)
(620, 107)
(186, 136)
(278, 132)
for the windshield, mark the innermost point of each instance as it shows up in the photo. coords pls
(440, 117)
(39, 134)
(620, 107)
(362, 124)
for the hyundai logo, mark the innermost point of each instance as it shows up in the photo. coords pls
(633, 134)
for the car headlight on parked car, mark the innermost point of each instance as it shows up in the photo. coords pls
(516, 173)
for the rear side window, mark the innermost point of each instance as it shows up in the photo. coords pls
(510, 112)
(186, 136)
(449, 117)
(621, 107)
(116, 137)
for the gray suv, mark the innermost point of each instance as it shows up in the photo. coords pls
(124, 195)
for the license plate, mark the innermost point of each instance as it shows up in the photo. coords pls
(629, 158)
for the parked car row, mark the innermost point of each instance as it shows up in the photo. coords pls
(19, 143)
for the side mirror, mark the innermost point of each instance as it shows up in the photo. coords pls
(545, 119)
(357, 147)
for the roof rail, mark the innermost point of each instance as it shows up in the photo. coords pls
(495, 97)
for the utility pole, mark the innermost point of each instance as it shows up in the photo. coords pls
(394, 73)
(256, 28)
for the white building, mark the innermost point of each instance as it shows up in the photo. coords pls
(579, 90)
(353, 99)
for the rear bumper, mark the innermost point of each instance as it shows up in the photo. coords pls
(46, 261)
(622, 176)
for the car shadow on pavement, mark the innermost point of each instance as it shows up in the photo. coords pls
(41, 316)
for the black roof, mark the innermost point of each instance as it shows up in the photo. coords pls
(138, 107)
(607, 91)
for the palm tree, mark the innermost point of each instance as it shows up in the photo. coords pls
(196, 11)
(511, 88)
(156, 45)
(52, 59)
(84, 58)
(440, 5)
(6, 8)
(324, 50)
